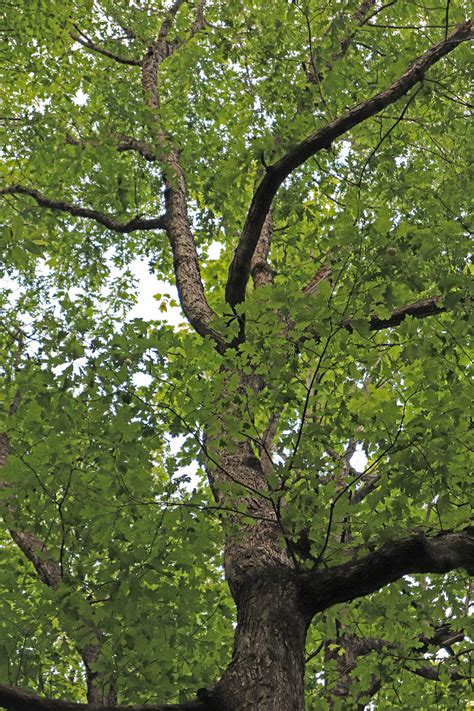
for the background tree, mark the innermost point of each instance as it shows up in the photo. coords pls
(299, 172)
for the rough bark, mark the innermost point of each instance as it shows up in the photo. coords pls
(267, 667)
(186, 262)
(275, 601)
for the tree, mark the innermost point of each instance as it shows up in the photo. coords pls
(299, 172)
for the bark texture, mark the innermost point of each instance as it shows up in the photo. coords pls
(267, 667)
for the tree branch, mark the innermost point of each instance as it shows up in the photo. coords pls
(360, 494)
(278, 172)
(433, 672)
(359, 17)
(420, 309)
(136, 223)
(49, 571)
(262, 274)
(88, 44)
(419, 554)
(35, 550)
(14, 699)
(185, 256)
(124, 143)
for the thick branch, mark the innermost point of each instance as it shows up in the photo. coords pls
(88, 44)
(185, 256)
(128, 143)
(419, 554)
(262, 274)
(14, 699)
(278, 172)
(136, 223)
(420, 309)
(35, 550)
(360, 494)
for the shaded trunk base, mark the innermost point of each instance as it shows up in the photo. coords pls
(267, 669)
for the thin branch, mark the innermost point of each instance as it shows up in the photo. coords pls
(277, 173)
(124, 143)
(446, 19)
(88, 44)
(433, 672)
(136, 223)
(386, 135)
(316, 76)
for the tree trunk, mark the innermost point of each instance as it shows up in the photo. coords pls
(267, 667)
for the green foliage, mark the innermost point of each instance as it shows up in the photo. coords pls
(113, 409)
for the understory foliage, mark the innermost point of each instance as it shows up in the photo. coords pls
(140, 140)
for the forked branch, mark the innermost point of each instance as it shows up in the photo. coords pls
(239, 270)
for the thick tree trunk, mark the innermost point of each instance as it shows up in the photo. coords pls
(267, 668)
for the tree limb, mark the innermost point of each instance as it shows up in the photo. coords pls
(420, 309)
(278, 172)
(185, 256)
(360, 494)
(14, 699)
(124, 143)
(49, 571)
(359, 17)
(262, 274)
(88, 44)
(35, 550)
(433, 672)
(419, 554)
(136, 223)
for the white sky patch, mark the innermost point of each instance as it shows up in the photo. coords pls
(344, 150)
(359, 459)
(214, 250)
(190, 470)
(80, 98)
(148, 305)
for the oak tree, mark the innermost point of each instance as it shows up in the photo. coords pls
(197, 510)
